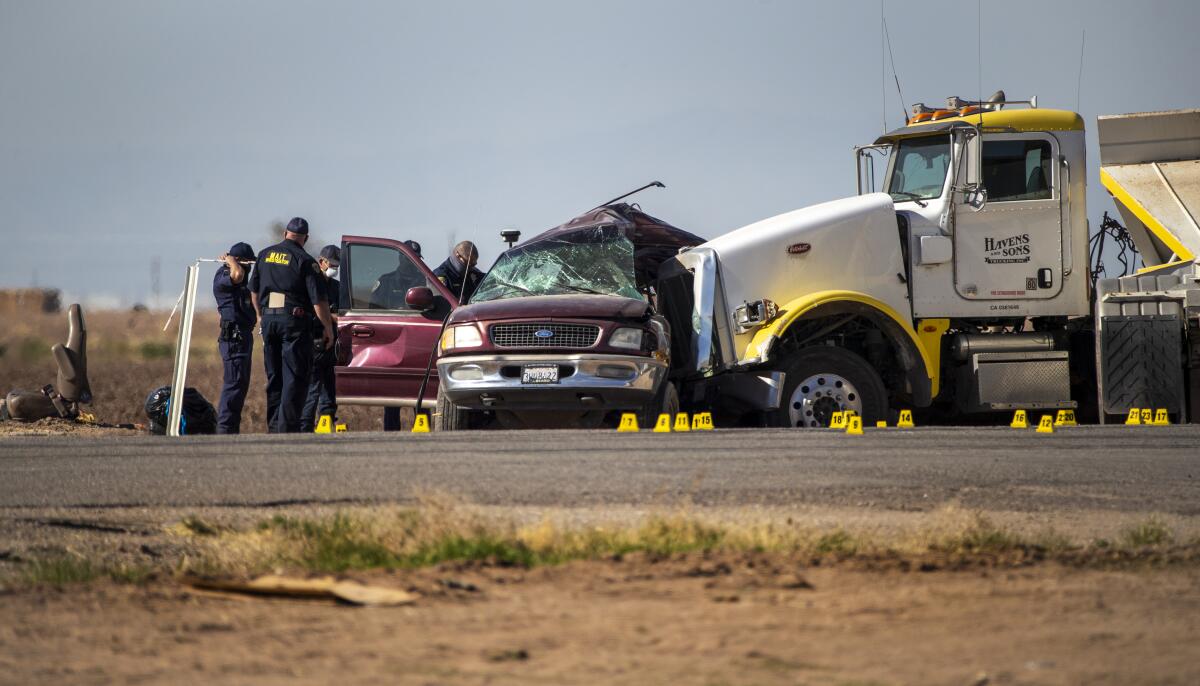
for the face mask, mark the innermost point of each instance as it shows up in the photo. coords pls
(332, 272)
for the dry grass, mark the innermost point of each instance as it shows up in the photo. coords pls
(439, 530)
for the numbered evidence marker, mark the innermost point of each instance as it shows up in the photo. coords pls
(628, 422)
(854, 426)
(663, 425)
(324, 425)
(421, 424)
(1046, 426)
(681, 422)
(1134, 418)
(340, 428)
(838, 421)
(1148, 417)
(906, 421)
(1020, 420)
(1065, 418)
(702, 421)
(1161, 418)
(880, 424)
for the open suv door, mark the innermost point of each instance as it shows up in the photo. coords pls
(388, 327)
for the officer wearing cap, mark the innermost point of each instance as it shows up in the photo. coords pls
(458, 272)
(286, 290)
(237, 321)
(322, 392)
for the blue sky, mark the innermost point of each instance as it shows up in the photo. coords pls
(135, 130)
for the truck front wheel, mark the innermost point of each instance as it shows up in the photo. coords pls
(823, 380)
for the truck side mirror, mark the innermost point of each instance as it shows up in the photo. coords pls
(970, 181)
(419, 298)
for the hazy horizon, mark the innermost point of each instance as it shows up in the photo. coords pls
(133, 131)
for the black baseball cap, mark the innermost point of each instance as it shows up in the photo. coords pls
(241, 251)
(416, 247)
(332, 253)
(298, 225)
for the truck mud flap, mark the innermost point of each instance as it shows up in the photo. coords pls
(1142, 361)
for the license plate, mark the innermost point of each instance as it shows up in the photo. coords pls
(539, 373)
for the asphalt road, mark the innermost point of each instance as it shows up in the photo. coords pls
(1122, 469)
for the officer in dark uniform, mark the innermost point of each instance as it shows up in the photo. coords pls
(286, 289)
(458, 267)
(322, 392)
(235, 340)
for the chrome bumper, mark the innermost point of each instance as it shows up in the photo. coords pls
(585, 381)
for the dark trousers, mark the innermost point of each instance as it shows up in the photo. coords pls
(235, 357)
(287, 356)
(391, 419)
(322, 391)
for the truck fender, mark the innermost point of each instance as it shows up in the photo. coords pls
(919, 352)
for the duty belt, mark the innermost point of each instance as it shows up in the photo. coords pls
(293, 311)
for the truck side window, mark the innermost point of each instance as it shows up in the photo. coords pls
(1017, 170)
(380, 277)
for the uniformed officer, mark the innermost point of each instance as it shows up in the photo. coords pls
(237, 323)
(322, 393)
(459, 266)
(286, 290)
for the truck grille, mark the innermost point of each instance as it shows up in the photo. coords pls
(525, 335)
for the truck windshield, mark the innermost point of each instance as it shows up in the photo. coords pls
(919, 171)
(590, 261)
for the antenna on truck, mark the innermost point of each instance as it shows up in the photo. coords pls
(652, 184)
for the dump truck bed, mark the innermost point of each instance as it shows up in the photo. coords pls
(1150, 163)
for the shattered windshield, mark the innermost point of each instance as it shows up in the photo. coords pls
(596, 261)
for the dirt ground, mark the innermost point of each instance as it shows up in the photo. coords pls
(696, 620)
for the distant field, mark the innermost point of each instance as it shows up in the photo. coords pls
(129, 355)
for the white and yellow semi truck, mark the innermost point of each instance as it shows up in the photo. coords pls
(964, 287)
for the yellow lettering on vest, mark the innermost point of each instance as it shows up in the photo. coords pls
(279, 258)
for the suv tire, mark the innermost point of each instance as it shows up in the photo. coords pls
(448, 416)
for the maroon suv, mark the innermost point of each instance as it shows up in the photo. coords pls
(562, 331)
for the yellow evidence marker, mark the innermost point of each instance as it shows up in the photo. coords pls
(906, 421)
(1161, 418)
(628, 422)
(421, 424)
(663, 425)
(838, 421)
(1020, 420)
(1046, 426)
(704, 419)
(854, 426)
(681, 422)
(340, 428)
(880, 424)
(1134, 418)
(1148, 417)
(1065, 418)
(324, 425)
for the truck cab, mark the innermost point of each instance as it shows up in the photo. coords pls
(951, 286)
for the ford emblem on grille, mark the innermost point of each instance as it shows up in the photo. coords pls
(543, 333)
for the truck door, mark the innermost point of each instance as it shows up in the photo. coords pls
(1011, 249)
(383, 343)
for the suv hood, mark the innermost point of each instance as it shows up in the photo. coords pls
(571, 306)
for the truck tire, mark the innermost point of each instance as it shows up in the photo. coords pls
(448, 416)
(822, 380)
(666, 401)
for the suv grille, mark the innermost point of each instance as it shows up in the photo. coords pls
(525, 335)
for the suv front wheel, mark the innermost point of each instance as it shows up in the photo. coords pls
(822, 380)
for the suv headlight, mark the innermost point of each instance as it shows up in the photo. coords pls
(465, 336)
(626, 337)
